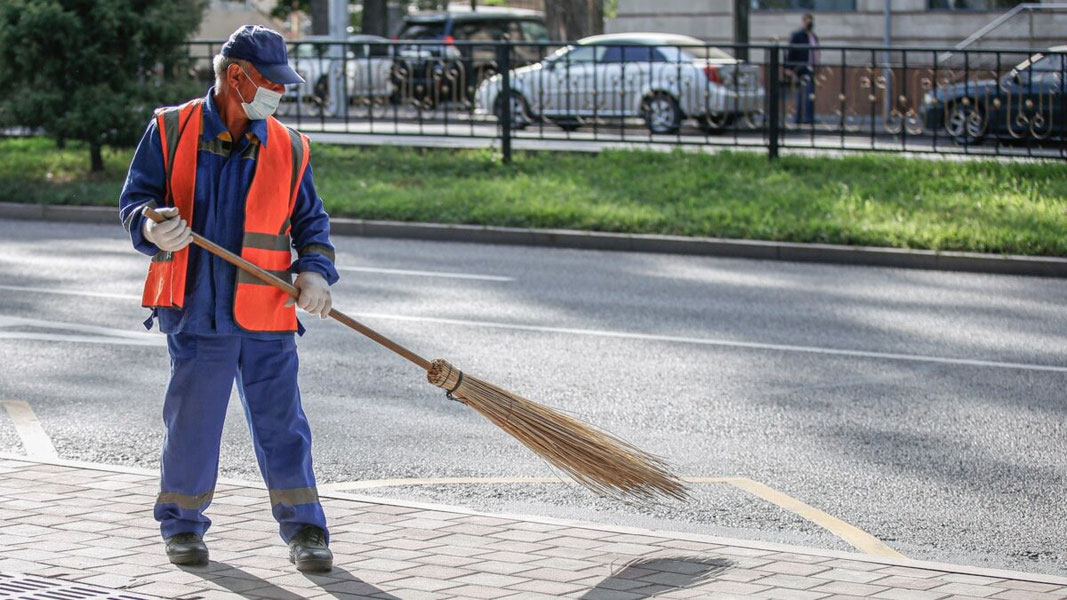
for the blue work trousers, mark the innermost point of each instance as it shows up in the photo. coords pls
(202, 371)
(805, 99)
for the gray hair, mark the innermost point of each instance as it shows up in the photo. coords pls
(221, 64)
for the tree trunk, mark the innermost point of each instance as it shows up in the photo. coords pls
(574, 19)
(596, 16)
(375, 18)
(320, 17)
(96, 157)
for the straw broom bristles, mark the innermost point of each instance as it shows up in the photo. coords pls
(594, 458)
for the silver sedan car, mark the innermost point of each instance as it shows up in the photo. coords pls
(661, 78)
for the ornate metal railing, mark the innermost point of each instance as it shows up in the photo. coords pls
(559, 95)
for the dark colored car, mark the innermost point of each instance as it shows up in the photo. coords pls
(451, 71)
(1029, 102)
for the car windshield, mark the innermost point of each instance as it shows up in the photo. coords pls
(422, 31)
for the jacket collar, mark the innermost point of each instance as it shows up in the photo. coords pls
(214, 127)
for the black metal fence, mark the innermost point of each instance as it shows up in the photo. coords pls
(559, 95)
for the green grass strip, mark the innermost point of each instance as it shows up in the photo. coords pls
(877, 200)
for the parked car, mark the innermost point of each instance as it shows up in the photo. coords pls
(367, 65)
(1030, 101)
(661, 78)
(447, 70)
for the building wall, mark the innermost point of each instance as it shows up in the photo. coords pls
(223, 17)
(912, 24)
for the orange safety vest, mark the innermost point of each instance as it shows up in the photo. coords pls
(268, 207)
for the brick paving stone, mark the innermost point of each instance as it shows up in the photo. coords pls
(738, 551)
(520, 535)
(552, 588)
(577, 543)
(477, 591)
(967, 578)
(852, 565)
(908, 595)
(530, 596)
(513, 546)
(576, 553)
(557, 575)
(435, 572)
(600, 594)
(849, 588)
(1032, 586)
(1026, 595)
(732, 587)
(491, 579)
(422, 523)
(910, 572)
(792, 568)
(909, 583)
(565, 563)
(848, 575)
(471, 529)
(491, 521)
(500, 567)
(445, 560)
(966, 589)
(789, 581)
(591, 534)
(790, 594)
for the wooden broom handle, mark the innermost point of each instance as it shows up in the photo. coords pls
(291, 289)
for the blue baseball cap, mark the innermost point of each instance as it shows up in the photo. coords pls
(265, 49)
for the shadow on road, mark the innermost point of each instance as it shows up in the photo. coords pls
(338, 582)
(648, 577)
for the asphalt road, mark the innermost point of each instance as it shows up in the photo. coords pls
(926, 408)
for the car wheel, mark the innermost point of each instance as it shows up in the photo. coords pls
(965, 121)
(520, 113)
(714, 124)
(662, 114)
(567, 124)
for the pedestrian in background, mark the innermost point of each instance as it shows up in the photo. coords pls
(801, 58)
(223, 167)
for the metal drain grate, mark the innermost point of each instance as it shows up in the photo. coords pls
(27, 587)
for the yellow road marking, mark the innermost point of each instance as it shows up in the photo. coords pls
(854, 536)
(34, 439)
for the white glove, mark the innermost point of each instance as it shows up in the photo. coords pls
(170, 235)
(314, 294)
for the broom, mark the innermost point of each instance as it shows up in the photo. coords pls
(593, 457)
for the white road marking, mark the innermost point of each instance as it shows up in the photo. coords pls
(34, 439)
(76, 333)
(444, 274)
(854, 536)
(37, 290)
(723, 343)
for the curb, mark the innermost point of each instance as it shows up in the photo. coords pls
(972, 262)
(674, 535)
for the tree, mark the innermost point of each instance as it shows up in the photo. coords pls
(93, 70)
(574, 19)
(375, 17)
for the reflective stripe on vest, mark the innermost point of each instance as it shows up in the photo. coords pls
(280, 165)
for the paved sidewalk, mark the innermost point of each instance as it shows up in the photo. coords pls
(69, 522)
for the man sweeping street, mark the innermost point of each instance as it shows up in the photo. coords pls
(223, 167)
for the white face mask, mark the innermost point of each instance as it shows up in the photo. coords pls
(263, 104)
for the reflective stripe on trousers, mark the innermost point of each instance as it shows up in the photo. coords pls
(203, 371)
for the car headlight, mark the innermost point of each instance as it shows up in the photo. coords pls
(929, 99)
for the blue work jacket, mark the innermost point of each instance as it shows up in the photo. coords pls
(224, 171)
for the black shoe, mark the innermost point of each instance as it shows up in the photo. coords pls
(186, 549)
(308, 551)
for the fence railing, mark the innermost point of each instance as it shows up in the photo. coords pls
(560, 95)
